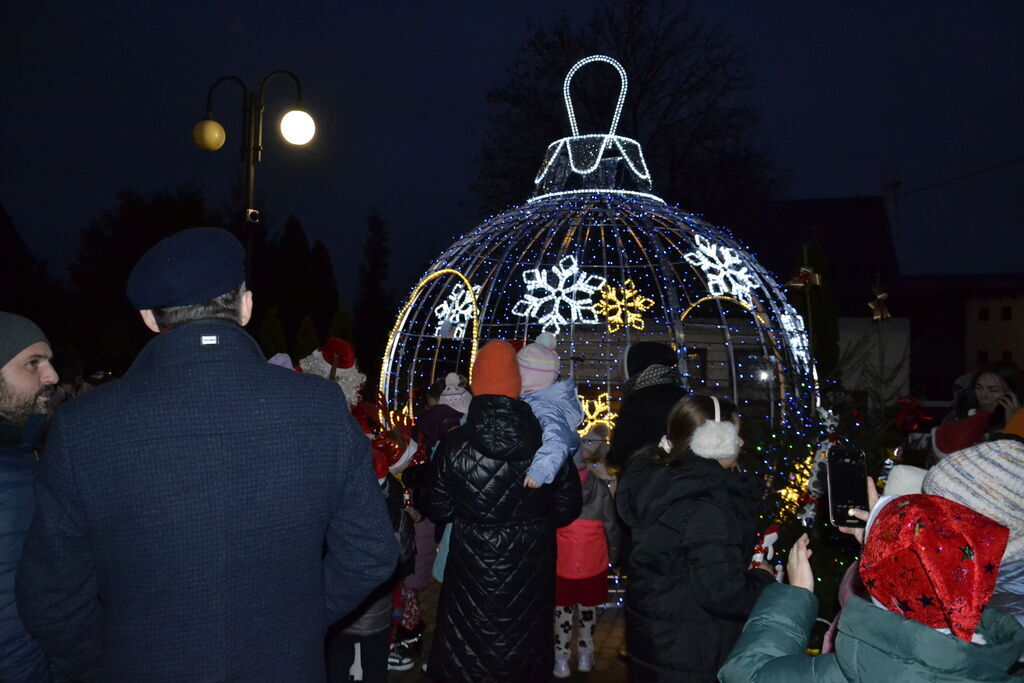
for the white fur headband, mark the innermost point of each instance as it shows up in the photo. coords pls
(715, 439)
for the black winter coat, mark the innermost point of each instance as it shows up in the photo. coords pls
(495, 614)
(182, 512)
(689, 590)
(642, 421)
(21, 657)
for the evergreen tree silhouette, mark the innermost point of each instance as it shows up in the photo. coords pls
(321, 290)
(374, 305)
(291, 267)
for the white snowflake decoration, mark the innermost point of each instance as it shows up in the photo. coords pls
(559, 301)
(455, 313)
(793, 326)
(725, 271)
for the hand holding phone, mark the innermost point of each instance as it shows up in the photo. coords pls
(845, 474)
(858, 532)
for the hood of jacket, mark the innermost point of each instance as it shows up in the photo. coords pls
(502, 428)
(875, 644)
(648, 489)
(560, 397)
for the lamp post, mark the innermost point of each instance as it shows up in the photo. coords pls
(297, 127)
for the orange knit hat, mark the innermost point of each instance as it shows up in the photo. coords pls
(496, 372)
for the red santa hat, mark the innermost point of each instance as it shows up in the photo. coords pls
(954, 436)
(932, 560)
(339, 353)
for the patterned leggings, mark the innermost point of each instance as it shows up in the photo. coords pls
(563, 628)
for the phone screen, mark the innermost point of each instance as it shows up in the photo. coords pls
(846, 486)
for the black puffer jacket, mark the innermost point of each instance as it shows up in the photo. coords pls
(689, 589)
(494, 617)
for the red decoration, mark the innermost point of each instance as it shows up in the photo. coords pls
(805, 278)
(912, 416)
(396, 441)
(960, 434)
(934, 561)
(339, 353)
(765, 549)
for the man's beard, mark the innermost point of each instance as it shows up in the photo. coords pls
(17, 409)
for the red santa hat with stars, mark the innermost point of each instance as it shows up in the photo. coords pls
(932, 560)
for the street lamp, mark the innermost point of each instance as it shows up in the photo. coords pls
(297, 127)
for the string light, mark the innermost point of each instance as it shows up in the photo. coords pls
(793, 325)
(456, 312)
(726, 273)
(623, 80)
(623, 306)
(597, 411)
(560, 288)
(547, 265)
(386, 375)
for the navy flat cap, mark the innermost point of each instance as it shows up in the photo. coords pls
(189, 267)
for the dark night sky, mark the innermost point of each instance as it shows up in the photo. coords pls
(100, 96)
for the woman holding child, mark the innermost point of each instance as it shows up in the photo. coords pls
(496, 607)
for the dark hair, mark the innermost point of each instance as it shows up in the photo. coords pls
(684, 418)
(227, 306)
(1004, 370)
(435, 390)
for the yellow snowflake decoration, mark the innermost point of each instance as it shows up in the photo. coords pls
(597, 411)
(623, 306)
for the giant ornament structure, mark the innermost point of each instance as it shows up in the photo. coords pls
(597, 259)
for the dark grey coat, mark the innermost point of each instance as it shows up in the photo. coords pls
(182, 516)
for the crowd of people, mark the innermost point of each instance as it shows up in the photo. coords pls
(212, 516)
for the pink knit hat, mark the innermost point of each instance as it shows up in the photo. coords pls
(538, 363)
(455, 396)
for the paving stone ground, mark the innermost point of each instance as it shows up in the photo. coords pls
(608, 638)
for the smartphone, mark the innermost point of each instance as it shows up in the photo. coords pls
(847, 486)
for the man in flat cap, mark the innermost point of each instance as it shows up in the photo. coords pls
(27, 380)
(206, 516)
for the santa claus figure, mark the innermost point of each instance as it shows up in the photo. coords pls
(336, 361)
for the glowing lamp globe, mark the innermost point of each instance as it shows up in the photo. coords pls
(600, 261)
(297, 127)
(208, 135)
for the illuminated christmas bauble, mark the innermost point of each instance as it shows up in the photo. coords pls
(597, 259)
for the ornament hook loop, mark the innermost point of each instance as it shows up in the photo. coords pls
(622, 91)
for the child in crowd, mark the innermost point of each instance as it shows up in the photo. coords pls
(369, 625)
(447, 401)
(929, 566)
(585, 549)
(555, 405)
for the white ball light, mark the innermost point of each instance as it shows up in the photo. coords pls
(297, 127)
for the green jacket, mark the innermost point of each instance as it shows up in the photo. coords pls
(873, 645)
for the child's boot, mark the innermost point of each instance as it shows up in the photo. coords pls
(561, 665)
(585, 659)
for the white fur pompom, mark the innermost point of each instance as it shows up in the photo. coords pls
(716, 440)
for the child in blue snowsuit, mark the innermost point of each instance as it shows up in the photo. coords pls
(555, 405)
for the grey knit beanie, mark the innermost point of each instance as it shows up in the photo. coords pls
(988, 478)
(16, 335)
